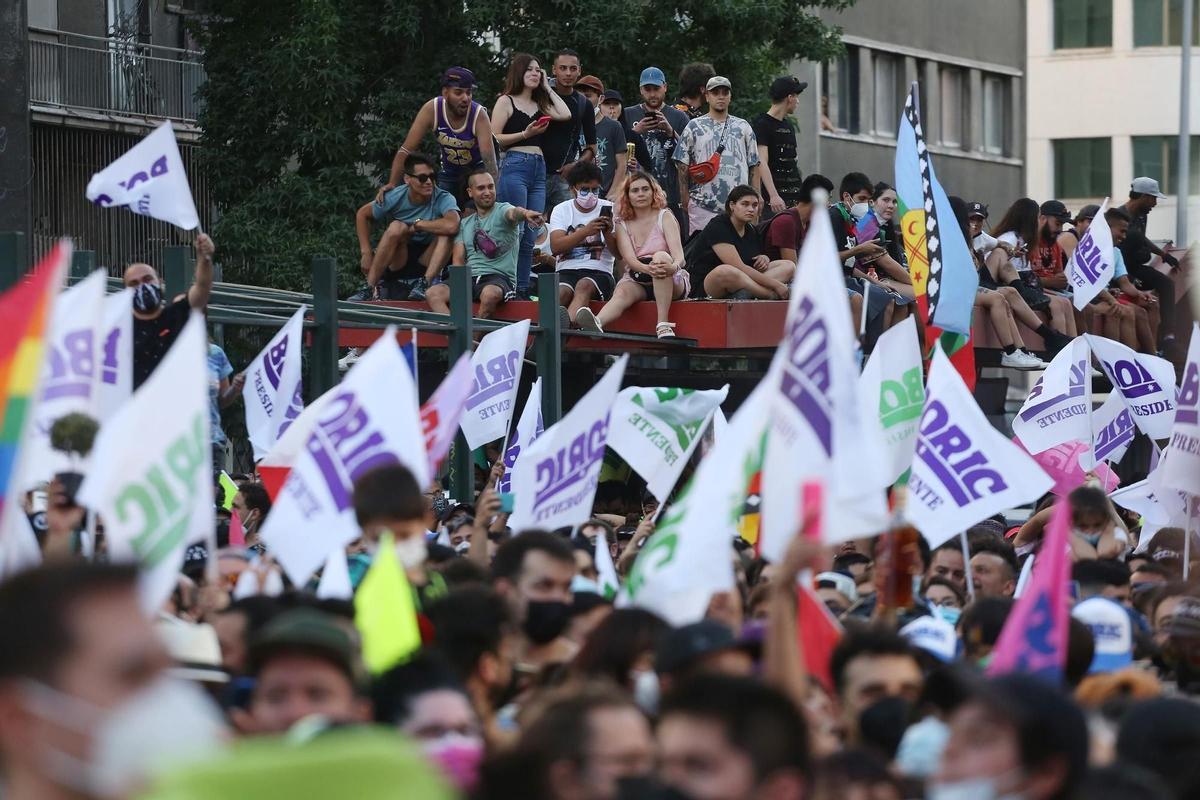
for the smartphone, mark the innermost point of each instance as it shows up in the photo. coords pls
(606, 212)
(506, 502)
(542, 120)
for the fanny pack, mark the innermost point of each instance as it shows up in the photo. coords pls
(706, 170)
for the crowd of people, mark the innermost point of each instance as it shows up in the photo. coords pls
(665, 203)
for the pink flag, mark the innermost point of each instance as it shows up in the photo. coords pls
(1034, 638)
(1061, 463)
(441, 413)
(237, 533)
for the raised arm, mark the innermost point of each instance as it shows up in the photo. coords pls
(202, 284)
(412, 142)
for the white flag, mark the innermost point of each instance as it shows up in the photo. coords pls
(689, 557)
(116, 363)
(496, 366)
(272, 392)
(70, 375)
(150, 180)
(370, 420)
(1058, 408)
(555, 477)
(964, 470)
(335, 578)
(606, 571)
(1181, 463)
(443, 411)
(1113, 429)
(891, 394)
(656, 430)
(814, 415)
(155, 488)
(1146, 384)
(529, 427)
(1092, 263)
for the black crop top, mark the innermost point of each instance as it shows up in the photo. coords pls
(517, 122)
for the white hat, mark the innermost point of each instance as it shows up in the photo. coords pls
(933, 635)
(840, 582)
(716, 82)
(1146, 186)
(1112, 630)
(195, 650)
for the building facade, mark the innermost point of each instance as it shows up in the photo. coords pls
(968, 59)
(1104, 103)
(88, 79)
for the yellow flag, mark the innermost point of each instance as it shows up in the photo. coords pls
(384, 611)
(230, 488)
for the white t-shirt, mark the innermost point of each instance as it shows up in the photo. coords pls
(1020, 263)
(984, 243)
(592, 253)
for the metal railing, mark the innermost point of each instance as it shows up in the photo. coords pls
(115, 76)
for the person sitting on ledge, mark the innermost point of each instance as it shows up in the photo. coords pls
(730, 262)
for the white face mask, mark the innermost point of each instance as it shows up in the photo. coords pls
(412, 551)
(859, 210)
(587, 199)
(168, 722)
(646, 690)
(973, 789)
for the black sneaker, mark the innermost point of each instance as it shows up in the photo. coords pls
(1057, 342)
(509, 296)
(417, 292)
(523, 294)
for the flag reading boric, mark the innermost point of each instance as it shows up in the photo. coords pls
(1181, 464)
(555, 478)
(370, 420)
(529, 427)
(1113, 430)
(891, 394)
(964, 469)
(149, 180)
(1092, 263)
(1058, 408)
(157, 498)
(496, 365)
(272, 392)
(1146, 383)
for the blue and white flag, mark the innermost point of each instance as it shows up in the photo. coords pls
(496, 364)
(1058, 408)
(1092, 263)
(1113, 430)
(272, 392)
(964, 470)
(529, 427)
(1146, 384)
(149, 180)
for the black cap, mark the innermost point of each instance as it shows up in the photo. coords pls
(1087, 212)
(1161, 735)
(612, 94)
(459, 78)
(306, 630)
(683, 647)
(1056, 209)
(788, 84)
(977, 210)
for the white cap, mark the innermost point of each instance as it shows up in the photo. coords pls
(194, 648)
(842, 583)
(1146, 186)
(717, 81)
(934, 635)
(1112, 630)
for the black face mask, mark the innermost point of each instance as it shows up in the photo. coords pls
(545, 620)
(646, 787)
(147, 297)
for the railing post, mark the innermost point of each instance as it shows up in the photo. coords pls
(323, 368)
(83, 262)
(176, 270)
(462, 469)
(549, 349)
(14, 258)
(218, 330)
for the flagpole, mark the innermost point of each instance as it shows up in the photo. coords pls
(1187, 537)
(966, 552)
(415, 371)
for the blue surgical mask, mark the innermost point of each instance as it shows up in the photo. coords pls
(948, 613)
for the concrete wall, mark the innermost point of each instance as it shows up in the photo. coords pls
(15, 165)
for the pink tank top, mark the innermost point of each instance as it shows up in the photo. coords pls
(657, 240)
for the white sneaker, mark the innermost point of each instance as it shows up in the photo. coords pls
(1037, 362)
(349, 360)
(587, 321)
(1019, 360)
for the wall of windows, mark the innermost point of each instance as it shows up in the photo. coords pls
(840, 81)
(1154, 156)
(1159, 23)
(1082, 167)
(1082, 23)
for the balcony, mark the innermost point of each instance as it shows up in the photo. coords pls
(113, 77)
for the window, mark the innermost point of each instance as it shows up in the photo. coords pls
(1082, 23)
(995, 114)
(1154, 157)
(887, 103)
(1160, 22)
(1082, 168)
(953, 107)
(840, 79)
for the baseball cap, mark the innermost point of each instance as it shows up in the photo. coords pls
(933, 635)
(1088, 212)
(1112, 631)
(307, 630)
(840, 582)
(977, 210)
(194, 648)
(1055, 208)
(612, 95)
(652, 76)
(591, 82)
(684, 646)
(717, 81)
(1146, 185)
(458, 77)
(788, 84)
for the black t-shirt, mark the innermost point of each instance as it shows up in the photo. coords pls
(779, 138)
(152, 338)
(1136, 247)
(721, 231)
(560, 142)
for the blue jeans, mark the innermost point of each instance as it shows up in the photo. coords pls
(523, 183)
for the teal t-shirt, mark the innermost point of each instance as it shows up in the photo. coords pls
(396, 207)
(506, 236)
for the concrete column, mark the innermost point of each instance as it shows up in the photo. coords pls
(931, 102)
(15, 160)
(1016, 127)
(866, 92)
(973, 135)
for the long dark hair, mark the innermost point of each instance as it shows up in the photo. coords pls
(1022, 219)
(514, 82)
(737, 193)
(617, 643)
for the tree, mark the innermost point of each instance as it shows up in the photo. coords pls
(306, 100)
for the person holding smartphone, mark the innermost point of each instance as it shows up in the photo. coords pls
(581, 235)
(521, 115)
(659, 125)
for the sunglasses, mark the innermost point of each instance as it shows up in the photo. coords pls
(424, 177)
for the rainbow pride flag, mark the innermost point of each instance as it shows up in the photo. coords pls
(26, 310)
